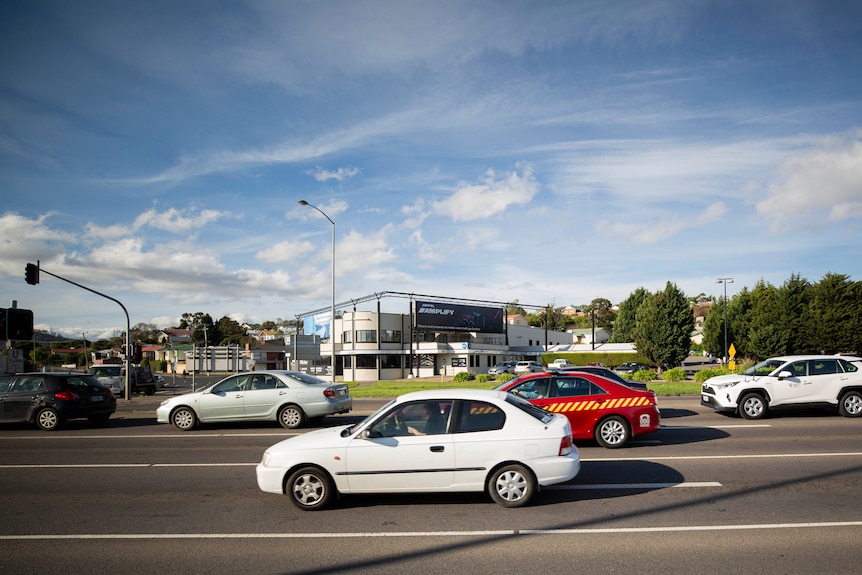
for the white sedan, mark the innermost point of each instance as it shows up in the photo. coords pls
(289, 397)
(428, 441)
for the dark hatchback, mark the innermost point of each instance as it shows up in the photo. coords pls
(50, 398)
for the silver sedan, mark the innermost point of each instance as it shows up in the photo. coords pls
(289, 397)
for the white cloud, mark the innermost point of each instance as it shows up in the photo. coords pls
(284, 252)
(825, 181)
(340, 175)
(489, 197)
(171, 220)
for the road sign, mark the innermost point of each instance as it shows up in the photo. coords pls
(732, 351)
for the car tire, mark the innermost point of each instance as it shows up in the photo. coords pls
(850, 404)
(512, 485)
(47, 419)
(184, 418)
(310, 488)
(753, 406)
(291, 416)
(612, 432)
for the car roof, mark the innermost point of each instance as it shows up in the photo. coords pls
(815, 356)
(453, 393)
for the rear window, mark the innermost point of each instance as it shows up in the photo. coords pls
(530, 409)
(105, 370)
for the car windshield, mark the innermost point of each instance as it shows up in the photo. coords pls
(764, 367)
(306, 378)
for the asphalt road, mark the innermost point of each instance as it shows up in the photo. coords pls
(706, 494)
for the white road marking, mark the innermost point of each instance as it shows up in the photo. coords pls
(495, 533)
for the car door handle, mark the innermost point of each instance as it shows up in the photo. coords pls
(437, 448)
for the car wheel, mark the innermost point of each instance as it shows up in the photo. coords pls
(48, 419)
(850, 404)
(512, 485)
(612, 432)
(310, 488)
(184, 418)
(752, 406)
(291, 416)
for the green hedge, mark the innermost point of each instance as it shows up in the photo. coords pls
(608, 359)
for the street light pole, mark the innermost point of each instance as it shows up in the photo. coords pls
(725, 281)
(332, 308)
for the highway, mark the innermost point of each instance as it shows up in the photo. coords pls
(706, 494)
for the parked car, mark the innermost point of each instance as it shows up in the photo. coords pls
(288, 397)
(444, 440)
(630, 367)
(528, 367)
(597, 408)
(607, 374)
(501, 368)
(789, 382)
(113, 376)
(48, 399)
(559, 364)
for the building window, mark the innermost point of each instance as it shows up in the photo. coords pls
(345, 337)
(366, 336)
(390, 336)
(390, 361)
(366, 362)
(348, 362)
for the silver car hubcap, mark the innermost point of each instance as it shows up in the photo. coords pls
(183, 419)
(853, 405)
(308, 489)
(290, 417)
(47, 419)
(753, 407)
(613, 432)
(511, 486)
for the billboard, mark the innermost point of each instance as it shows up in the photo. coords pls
(317, 325)
(437, 316)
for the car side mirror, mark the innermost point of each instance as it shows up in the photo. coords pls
(785, 374)
(370, 434)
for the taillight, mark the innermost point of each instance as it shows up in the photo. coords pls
(566, 446)
(329, 392)
(67, 395)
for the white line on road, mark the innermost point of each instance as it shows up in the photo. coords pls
(495, 533)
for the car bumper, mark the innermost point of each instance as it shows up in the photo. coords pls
(270, 479)
(553, 470)
(331, 407)
(717, 403)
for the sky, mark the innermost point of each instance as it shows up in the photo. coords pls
(549, 152)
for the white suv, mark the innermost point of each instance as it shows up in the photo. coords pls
(528, 367)
(789, 381)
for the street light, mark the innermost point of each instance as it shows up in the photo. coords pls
(332, 309)
(725, 281)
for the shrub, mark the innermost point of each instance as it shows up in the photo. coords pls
(645, 375)
(705, 374)
(504, 377)
(483, 378)
(676, 374)
(464, 376)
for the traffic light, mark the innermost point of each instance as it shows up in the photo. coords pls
(31, 274)
(19, 324)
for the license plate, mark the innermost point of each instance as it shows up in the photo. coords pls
(340, 393)
(96, 398)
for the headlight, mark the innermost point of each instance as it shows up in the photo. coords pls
(725, 385)
(266, 459)
(165, 402)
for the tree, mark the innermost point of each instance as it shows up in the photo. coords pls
(230, 331)
(626, 319)
(145, 332)
(601, 310)
(831, 320)
(664, 326)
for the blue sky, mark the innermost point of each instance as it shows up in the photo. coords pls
(545, 152)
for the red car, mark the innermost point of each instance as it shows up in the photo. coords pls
(597, 408)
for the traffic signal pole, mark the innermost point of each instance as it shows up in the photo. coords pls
(38, 268)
